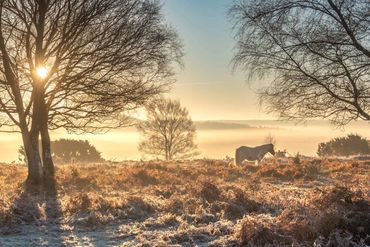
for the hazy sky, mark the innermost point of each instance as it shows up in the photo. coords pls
(207, 86)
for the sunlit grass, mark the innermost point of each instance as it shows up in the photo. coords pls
(187, 200)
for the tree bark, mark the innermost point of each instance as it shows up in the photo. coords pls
(45, 166)
(31, 148)
(47, 160)
(39, 170)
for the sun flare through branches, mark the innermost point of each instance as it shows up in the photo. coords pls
(42, 72)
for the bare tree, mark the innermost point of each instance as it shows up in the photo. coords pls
(316, 51)
(270, 139)
(168, 131)
(78, 65)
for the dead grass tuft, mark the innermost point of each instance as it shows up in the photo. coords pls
(207, 190)
(257, 231)
(288, 171)
(238, 203)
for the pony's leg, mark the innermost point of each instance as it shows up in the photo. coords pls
(237, 160)
(258, 160)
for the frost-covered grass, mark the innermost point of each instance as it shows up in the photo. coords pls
(203, 202)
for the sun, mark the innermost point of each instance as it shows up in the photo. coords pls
(42, 72)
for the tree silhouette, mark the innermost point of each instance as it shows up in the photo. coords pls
(345, 146)
(168, 131)
(78, 65)
(67, 151)
(270, 139)
(316, 51)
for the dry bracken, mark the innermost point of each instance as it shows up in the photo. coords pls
(202, 202)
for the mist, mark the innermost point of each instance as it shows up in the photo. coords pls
(216, 139)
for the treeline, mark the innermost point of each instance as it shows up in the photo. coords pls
(70, 151)
(82, 151)
(352, 144)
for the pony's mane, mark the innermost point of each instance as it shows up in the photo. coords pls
(265, 145)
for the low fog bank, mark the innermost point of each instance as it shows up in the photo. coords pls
(216, 139)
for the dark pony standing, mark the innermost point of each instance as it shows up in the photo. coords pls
(253, 153)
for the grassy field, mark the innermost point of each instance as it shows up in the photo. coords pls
(199, 203)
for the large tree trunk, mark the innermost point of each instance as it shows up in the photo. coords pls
(31, 148)
(45, 168)
(47, 161)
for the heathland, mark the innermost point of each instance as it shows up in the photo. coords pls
(281, 202)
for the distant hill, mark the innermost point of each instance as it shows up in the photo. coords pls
(220, 125)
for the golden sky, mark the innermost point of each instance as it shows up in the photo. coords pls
(207, 85)
(210, 90)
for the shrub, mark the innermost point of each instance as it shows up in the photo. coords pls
(209, 191)
(281, 153)
(296, 159)
(256, 232)
(68, 150)
(345, 146)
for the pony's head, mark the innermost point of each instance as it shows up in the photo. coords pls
(271, 149)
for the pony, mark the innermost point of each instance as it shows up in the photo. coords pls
(253, 153)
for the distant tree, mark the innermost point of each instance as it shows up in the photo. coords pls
(270, 139)
(345, 146)
(79, 65)
(317, 53)
(67, 150)
(168, 131)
